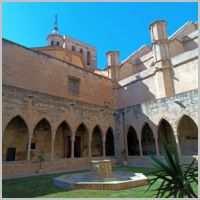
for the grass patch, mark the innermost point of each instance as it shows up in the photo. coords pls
(41, 186)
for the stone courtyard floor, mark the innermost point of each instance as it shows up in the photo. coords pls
(41, 186)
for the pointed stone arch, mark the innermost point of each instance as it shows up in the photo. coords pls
(62, 143)
(96, 143)
(41, 140)
(15, 140)
(188, 136)
(165, 131)
(110, 142)
(148, 140)
(81, 148)
(132, 142)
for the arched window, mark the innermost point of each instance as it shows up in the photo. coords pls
(88, 57)
(57, 43)
(51, 43)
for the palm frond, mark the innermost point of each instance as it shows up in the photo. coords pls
(176, 177)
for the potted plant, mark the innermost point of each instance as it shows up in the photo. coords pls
(41, 159)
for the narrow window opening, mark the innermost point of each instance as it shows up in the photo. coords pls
(88, 57)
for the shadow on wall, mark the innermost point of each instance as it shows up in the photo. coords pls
(189, 43)
(135, 66)
(135, 92)
(145, 124)
(151, 144)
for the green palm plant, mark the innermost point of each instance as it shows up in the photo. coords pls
(176, 178)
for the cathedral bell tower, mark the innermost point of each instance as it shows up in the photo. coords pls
(55, 39)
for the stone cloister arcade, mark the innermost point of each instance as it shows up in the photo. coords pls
(20, 143)
(148, 141)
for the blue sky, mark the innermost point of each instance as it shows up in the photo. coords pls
(108, 26)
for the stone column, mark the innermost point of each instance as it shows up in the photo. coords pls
(89, 146)
(140, 147)
(29, 145)
(126, 147)
(124, 137)
(104, 146)
(157, 147)
(113, 65)
(177, 143)
(30, 128)
(52, 144)
(72, 146)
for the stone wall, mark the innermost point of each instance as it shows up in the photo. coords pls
(36, 71)
(138, 61)
(148, 85)
(33, 107)
(27, 168)
(146, 161)
(167, 68)
(172, 109)
(137, 89)
(70, 42)
(185, 72)
(74, 58)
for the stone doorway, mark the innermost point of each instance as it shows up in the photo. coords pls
(11, 154)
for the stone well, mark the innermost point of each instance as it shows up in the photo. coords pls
(101, 178)
(101, 169)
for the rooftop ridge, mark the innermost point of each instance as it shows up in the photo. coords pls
(171, 37)
(30, 49)
(135, 52)
(78, 40)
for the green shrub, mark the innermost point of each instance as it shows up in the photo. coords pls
(176, 178)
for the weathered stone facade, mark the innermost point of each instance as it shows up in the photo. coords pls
(172, 109)
(56, 104)
(32, 107)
